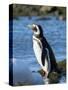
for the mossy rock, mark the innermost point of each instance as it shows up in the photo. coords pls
(54, 76)
(62, 66)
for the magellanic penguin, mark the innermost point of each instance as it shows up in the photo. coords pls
(43, 50)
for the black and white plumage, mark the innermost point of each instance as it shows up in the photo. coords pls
(43, 50)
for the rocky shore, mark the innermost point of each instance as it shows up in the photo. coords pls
(38, 10)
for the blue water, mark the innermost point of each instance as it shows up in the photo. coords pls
(54, 31)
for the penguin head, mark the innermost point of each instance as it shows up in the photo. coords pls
(37, 30)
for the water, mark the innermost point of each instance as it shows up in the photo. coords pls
(55, 32)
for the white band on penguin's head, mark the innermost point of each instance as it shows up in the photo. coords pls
(38, 31)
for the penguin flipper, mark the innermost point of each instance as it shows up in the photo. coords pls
(44, 55)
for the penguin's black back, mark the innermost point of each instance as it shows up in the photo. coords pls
(53, 62)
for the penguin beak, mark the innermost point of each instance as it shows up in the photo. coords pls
(30, 26)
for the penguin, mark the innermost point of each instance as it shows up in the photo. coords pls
(43, 51)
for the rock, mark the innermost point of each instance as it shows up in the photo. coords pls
(54, 77)
(32, 10)
(62, 66)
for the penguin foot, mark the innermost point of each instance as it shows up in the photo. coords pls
(42, 72)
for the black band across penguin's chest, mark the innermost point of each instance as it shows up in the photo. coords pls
(38, 42)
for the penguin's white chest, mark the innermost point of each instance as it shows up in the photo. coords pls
(37, 47)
